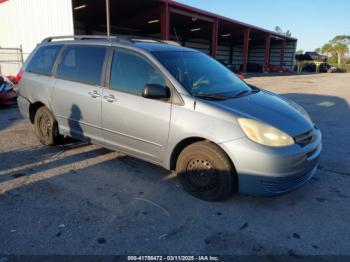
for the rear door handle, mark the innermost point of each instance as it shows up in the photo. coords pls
(94, 94)
(109, 98)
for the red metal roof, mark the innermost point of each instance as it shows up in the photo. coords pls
(223, 18)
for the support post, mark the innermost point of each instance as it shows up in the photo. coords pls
(267, 51)
(165, 21)
(21, 54)
(283, 47)
(245, 48)
(108, 18)
(214, 38)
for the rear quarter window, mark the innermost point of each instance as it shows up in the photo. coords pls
(43, 60)
(82, 64)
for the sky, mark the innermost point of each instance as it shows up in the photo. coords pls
(313, 23)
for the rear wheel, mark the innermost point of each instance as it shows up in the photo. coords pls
(46, 127)
(206, 172)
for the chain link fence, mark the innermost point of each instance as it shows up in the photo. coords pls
(11, 60)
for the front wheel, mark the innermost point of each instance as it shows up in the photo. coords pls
(46, 127)
(206, 172)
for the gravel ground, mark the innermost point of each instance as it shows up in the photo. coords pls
(82, 199)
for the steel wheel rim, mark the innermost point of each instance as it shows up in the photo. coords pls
(45, 126)
(201, 174)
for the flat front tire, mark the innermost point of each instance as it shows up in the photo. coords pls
(206, 172)
(46, 127)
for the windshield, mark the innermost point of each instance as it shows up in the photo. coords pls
(202, 75)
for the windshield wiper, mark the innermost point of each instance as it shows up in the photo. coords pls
(242, 93)
(211, 96)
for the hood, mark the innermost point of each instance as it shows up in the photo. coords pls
(269, 108)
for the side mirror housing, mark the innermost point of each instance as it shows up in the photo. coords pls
(154, 91)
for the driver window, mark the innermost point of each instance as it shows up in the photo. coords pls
(130, 72)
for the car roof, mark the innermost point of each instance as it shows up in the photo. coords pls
(160, 47)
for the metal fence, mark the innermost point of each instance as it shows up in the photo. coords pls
(11, 60)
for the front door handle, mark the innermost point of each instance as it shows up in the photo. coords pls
(109, 98)
(94, 94)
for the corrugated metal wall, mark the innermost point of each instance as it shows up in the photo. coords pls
(201, 45)
(289, 54)
(27, 22)
(275, 54)
(237, 55)
(256, 54)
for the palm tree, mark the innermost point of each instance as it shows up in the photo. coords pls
(340, 49)
(327, 49)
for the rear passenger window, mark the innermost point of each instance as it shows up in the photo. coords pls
(130, 72)
(83, 64)
(44, 59)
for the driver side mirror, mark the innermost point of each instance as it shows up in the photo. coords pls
(154, 91)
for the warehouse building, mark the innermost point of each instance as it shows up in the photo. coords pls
(25, 23)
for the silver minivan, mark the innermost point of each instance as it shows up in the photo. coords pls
(173, 106)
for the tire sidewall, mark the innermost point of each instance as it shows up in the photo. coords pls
(52, 138)
(220, 163)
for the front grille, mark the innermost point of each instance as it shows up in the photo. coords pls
(305, 139)
(281, 185)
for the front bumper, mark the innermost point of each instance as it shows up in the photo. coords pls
(271, 171)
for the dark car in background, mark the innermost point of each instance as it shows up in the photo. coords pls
(327, 68)
(8, 91)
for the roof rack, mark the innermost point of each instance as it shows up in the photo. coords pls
(127, 39)
(87, 37)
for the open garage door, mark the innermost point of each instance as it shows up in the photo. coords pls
(245, 47)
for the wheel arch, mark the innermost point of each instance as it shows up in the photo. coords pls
(185, 143)
(33, 108)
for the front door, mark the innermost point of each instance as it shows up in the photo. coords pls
(131, 122)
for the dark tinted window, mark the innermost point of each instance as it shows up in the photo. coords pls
(130, 72)
(44, 59)
(82, 64)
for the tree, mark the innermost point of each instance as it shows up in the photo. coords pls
(340, 50)
(344, 39)
(337, 47)
(318, 50)
(327, 49)
(278, 30)
(300, 52)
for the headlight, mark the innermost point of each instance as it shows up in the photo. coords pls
(264, 134)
